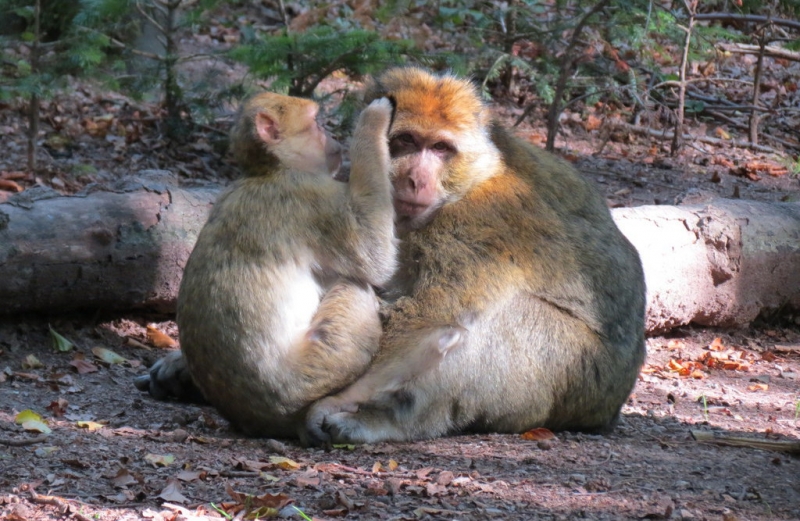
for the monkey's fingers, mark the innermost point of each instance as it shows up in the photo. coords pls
(318, 431)
(169, 378)
(378, 115)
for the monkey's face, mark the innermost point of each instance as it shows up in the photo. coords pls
(317, 149)
(419, 160)
(437, 141)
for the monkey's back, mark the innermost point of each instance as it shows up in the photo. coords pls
(248, 293)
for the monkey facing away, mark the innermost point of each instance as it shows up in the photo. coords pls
(276, 307)
(517, 247)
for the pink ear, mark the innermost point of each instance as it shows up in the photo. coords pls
(267, 128)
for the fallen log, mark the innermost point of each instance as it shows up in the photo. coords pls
(120, 249)
(719, 264)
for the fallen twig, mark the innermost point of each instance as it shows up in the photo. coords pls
(63, 505)
(689, 137)
(772, 52)
(790, 447)
(12, 442)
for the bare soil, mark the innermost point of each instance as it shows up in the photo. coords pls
(104, 458)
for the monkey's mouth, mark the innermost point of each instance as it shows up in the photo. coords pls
(409, 209)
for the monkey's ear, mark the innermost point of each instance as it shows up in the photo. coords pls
(267, 128)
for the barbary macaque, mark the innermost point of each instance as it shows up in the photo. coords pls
(276, 307)
(516, 247)
(509, 264)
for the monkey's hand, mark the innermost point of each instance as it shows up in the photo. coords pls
(376, 118)
(320, 422)
(169, 378)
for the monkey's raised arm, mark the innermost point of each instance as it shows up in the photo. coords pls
(368, 247)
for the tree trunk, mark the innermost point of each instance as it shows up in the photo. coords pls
(720, 264)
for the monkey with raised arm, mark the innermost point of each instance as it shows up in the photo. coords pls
(518, 248)
(276, 307)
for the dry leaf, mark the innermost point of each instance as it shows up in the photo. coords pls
(159, 460)
(538, 434)
(123, 479)
(188, 475)
(31, 362)
(60, 343)
(266, 504)
(592, 123)
(284, 463)
(83, 366)
(89, 425)
(31, 421)
(58, 407)
(758, 387)
(11, 186)
(172, 492)
(716, 345)
(675, 344)
(159, 339)
(108, 356)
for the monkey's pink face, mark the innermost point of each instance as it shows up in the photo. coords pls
(418, 163)
(333, 152)
(318, 150)
(330, 148)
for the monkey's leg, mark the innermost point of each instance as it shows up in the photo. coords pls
(169, 378)
(373, 408)
(338, 346)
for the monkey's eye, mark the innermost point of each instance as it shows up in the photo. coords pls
(406, 139)
(441, 146)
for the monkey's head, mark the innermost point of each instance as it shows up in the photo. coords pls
(439, 141)
(273, 130)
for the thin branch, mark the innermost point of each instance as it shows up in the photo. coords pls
(567, 62)
(691, 8)
(772, 52)
(150, 19)
(12, 442)
(730, 17)
(663, 134)
(762, 42)
(673, 83)
(122, 45)
(284, 16)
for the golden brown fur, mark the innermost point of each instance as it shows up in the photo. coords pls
(520, 250)
(517, 302)
(276, 307)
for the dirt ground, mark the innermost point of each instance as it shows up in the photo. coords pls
(114, 453)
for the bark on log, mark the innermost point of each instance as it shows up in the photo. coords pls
(718, 264)
(102, 250)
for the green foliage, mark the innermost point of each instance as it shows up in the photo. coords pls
(297, 62)
(64, 47)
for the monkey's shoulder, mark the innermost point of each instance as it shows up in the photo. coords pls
(553, 181)
(286, 197)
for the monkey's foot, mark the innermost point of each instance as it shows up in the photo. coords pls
(169, 378)
(325, 422)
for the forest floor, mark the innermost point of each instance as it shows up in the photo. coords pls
(114, 453)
